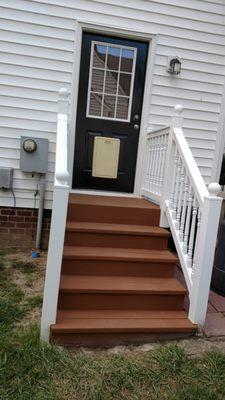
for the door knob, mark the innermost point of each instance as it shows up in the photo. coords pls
(136, 117)
(136, 126)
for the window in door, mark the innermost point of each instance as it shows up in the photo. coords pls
(111, 80)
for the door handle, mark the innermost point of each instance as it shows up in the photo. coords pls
(136, 117)
(136, 126)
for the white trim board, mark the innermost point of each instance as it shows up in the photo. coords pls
(220, 143)
(81, 26)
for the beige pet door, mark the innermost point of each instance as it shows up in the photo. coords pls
(105, 157)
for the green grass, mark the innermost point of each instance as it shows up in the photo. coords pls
(33, 370)
(26, 267)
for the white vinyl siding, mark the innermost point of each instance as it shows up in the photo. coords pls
(37, 55)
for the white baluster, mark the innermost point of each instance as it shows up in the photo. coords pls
(184, 209)
(180, 198)
(177, 187)
(174, 179)
(151, 184)
(151, 141)
(154, 165)
(196, 239)
(150, 162)
(192, 233)
(148, 158)
(187, 222)
(157, 164)
(161, 139)
(164, 147)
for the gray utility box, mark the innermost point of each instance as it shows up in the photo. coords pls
(6, 178)
(35, 160)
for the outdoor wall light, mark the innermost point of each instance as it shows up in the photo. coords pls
(174, 65)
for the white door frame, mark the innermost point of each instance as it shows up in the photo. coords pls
(81, 26)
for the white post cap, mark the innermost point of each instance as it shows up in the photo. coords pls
(214, 188)
(178, 109)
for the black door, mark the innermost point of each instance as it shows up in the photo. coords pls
(112, 76)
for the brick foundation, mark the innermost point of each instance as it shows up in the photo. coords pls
(18, 228)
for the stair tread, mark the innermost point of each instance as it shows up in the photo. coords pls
(112, 201)
(120, 284)
(110, 253)
(118, 325)
(116, 228)
(63, 315)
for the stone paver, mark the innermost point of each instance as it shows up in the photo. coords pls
(217, 301)
(214, 324)
(211, 309)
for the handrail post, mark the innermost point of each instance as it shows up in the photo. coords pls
(58, 220)
(205, 249)
(176, 122)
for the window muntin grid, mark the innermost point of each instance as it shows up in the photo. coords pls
(111, 81)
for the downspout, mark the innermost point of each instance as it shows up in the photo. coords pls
(40, 211)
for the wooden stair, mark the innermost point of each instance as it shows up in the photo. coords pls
(117, 280)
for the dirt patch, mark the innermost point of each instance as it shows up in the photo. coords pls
(31, 282)
(196, 347)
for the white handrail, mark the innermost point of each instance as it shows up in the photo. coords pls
(58, 220)
(192, 212)
(190, 164)
(158, 131)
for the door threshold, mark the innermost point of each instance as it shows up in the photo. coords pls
(103, 193)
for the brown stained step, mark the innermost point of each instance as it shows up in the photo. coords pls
(117, 268)
(137, 230)
(115, 235)
(119, 325)
(104, 328)
(63, 315)
(115, 201)
(120, 284)
(117, 254)
(112, 209)
(122, 325)
(121, 301)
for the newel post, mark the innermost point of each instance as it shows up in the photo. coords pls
(204, 257)
(176, 122)
(58, 220)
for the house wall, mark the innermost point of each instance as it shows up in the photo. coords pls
(18, 228)
(37, 57)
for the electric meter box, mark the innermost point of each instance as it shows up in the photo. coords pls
(6, 178)
(33, 154)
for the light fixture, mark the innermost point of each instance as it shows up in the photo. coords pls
(174, 65)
